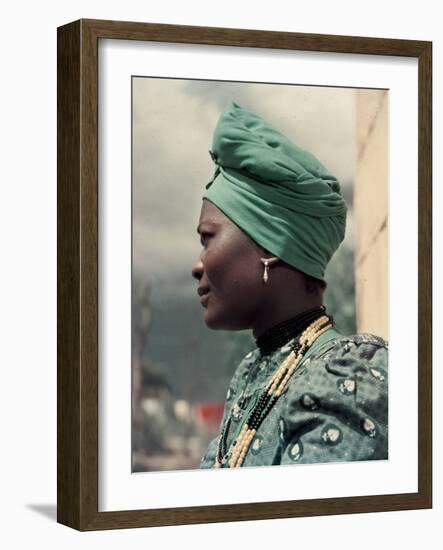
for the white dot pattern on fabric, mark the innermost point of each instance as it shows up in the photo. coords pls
(257, 444)
(377, 374)
(282, 429)
(307, 400)
(347, 386)
(331, 435)
(369, 427)
(294, 451)
(235, 411)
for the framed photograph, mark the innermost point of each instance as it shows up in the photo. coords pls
(244, 230)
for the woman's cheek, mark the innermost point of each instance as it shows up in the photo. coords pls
(213, 266)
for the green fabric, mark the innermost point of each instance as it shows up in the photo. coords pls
(277, 193)
(334, 409)
(330, 334)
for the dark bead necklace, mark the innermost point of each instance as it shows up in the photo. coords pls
(278, 335)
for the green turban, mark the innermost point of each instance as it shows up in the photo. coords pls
(277, 193)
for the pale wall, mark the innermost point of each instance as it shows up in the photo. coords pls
(371, 211)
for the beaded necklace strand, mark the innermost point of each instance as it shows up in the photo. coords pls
(272, 391)
(278, 335)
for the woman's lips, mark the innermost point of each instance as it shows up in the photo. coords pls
(204, 299)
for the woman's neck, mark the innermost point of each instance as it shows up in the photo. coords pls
(281, 311)
(279, 334)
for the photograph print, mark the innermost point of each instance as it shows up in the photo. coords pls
(259, 274)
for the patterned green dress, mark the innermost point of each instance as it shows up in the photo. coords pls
(334, 409)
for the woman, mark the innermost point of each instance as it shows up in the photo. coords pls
(272, 217)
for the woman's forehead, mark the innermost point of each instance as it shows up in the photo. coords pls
(211, 215)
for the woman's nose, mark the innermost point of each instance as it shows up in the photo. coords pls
(197, 270)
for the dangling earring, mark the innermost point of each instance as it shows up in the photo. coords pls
(267, 262)
(265, 273)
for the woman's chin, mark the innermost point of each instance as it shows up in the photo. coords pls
(212, 320)
(217, 322)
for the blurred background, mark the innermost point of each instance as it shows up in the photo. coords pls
(181, 369)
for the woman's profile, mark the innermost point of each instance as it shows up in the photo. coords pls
(272, 216)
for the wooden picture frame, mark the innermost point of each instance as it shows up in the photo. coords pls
(77, 275)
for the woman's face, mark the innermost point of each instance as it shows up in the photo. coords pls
(229, 272)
